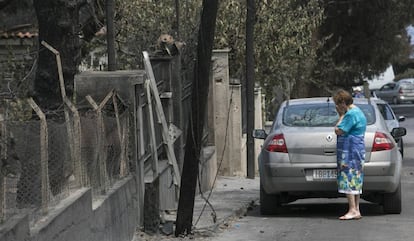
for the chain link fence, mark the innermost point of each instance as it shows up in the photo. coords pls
(47, 156)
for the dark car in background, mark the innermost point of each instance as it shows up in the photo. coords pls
(397, 92)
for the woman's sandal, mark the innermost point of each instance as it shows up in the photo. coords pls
(350, 217)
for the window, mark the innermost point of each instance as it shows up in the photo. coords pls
(369, 112)
(388, 86)
(386, 111)
(323, 114)
(320, 114)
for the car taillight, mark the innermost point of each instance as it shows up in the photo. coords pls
(382, 142)
(277, 144)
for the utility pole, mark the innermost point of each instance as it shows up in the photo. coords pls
(251, 12)
(110, 35)
(201, 82)
(177, 18)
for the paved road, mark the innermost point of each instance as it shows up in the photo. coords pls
(408, 112)
(317, 219)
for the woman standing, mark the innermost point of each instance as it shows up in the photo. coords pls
(350, 131)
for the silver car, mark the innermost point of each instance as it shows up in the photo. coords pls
(298, 156)
(397, 92)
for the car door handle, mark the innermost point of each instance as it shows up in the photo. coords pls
(329, 152)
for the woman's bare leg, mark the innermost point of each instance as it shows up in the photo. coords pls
(351, 203)
(357, 198)
(353, 208)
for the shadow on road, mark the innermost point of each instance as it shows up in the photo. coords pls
(323, 209)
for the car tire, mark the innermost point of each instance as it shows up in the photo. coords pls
(269, 203)
(392, 202)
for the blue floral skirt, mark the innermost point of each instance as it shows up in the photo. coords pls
(350, 164)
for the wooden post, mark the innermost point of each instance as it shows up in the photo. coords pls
(44, 158)
(103, 174)
(139, 150)
(78, 175)
(154, 152)
(165, 133)
(76, 143)
(151, 207)
(59, 66)
(122, 138)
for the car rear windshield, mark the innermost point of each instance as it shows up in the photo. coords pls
(320, 114)
(407, 86)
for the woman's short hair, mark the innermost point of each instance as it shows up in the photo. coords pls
(343, 96)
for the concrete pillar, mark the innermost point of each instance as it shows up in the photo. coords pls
(258, 123)
(238, 162)
(229, 141)
(220, 83)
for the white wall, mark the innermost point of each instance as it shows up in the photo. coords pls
(378, 81)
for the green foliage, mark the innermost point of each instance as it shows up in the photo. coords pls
(285, 44)
(284, 35)
(140, 23)
(322, 42)
(230, 34)
(285, 41)
(362, 39)
(17, 109)
(16, 69)
(288, 50)
(409, 73)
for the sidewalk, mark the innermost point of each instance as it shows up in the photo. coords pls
(231, 198)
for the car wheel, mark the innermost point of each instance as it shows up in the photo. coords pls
(392, 201)
(395, 100)
(269, 203)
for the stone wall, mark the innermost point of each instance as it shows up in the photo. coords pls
(114, 217)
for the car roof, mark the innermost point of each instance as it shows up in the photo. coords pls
(407, 80)
(312, 100)
(309, 100)
(380, 101)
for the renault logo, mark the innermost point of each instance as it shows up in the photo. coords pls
(329, 138)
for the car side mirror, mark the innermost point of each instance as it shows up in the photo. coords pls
(401, 118)
(259, 134)
(398, 132)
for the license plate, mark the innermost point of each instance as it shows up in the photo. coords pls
(324, 174)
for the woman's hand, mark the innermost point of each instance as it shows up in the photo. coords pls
(338, 131)
(341, 109)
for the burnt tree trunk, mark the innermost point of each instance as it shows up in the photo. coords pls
(201, 81)
(58, 26)
(110, 35)
(250, 84)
